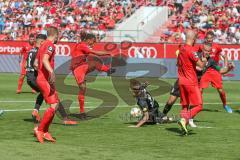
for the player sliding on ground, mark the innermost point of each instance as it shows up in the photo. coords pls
(23, 59)
(147, 104)
(46, 83)
(174, 93)
(81, 65)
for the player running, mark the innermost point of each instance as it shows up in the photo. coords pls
(80, 65)
(46, 83)
(24, 54)
(212, 76)
(147, 104)
(190, 95)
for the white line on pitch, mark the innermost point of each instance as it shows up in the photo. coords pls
(27, 109)
(29, 101)
(209, 103)
(119, 106)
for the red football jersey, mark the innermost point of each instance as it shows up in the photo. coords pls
(216, 52)
(186, 62)
(80, 54)
(24, 52)
(47, 47)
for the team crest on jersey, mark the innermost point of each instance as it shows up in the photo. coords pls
(50, 49)
(196, 55)
(213, 50)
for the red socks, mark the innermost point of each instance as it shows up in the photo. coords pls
(81, 101)
(223, 98)
(20, 82)
(195, 110)
(46, 120)
(188, 114)
(102, 68)
(185, 113)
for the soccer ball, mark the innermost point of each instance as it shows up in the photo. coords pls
(135, 112)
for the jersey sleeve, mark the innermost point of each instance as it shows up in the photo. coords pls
(86, 50)
(49, 49)
(143, 105)
(23, 50)
(193, 56)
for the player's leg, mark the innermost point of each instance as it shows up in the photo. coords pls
(222, 95)
(96, 63)
(21, 77)
(81, 96)
(79, 74)
(174, 94)
(217, 83)
(195, 98)
(31, 81)
(185, 115)
(171, 100)
(51, 98)
(20, 83)
(42, 132)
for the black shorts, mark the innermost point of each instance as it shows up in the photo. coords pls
(31, 80)
(175, 89)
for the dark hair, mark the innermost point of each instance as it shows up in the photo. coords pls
(210, 33)
(90, 36)
(31, 35)
(135, 84)
(207, 44)
(41, 36)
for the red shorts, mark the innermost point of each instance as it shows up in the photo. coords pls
(190, 95)
(23, 69)
(49, 93)
(80, 73)
(213, 77)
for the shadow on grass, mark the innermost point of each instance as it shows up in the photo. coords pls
(179, 132)
(28, 120)
(237, 111)
(203, 121)
(210, 110)
(26, 92)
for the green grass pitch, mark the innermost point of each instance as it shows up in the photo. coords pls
(109, 137)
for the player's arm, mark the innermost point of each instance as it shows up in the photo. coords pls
(35, 64)
(201, 63)
(48, 67)
(20, 57)
(225, 59)
(144, 119)
(227, 68)
(99, 53)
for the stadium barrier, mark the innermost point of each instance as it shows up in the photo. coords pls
(143, 59)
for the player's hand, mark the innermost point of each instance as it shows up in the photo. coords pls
(207, 56)
(204, 59)
(52, 78)
(146, 83)
(231, 66)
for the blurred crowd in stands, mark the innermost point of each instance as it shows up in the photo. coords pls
(19, 18)
(220, 16)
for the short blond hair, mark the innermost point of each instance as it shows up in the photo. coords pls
(52, 31)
